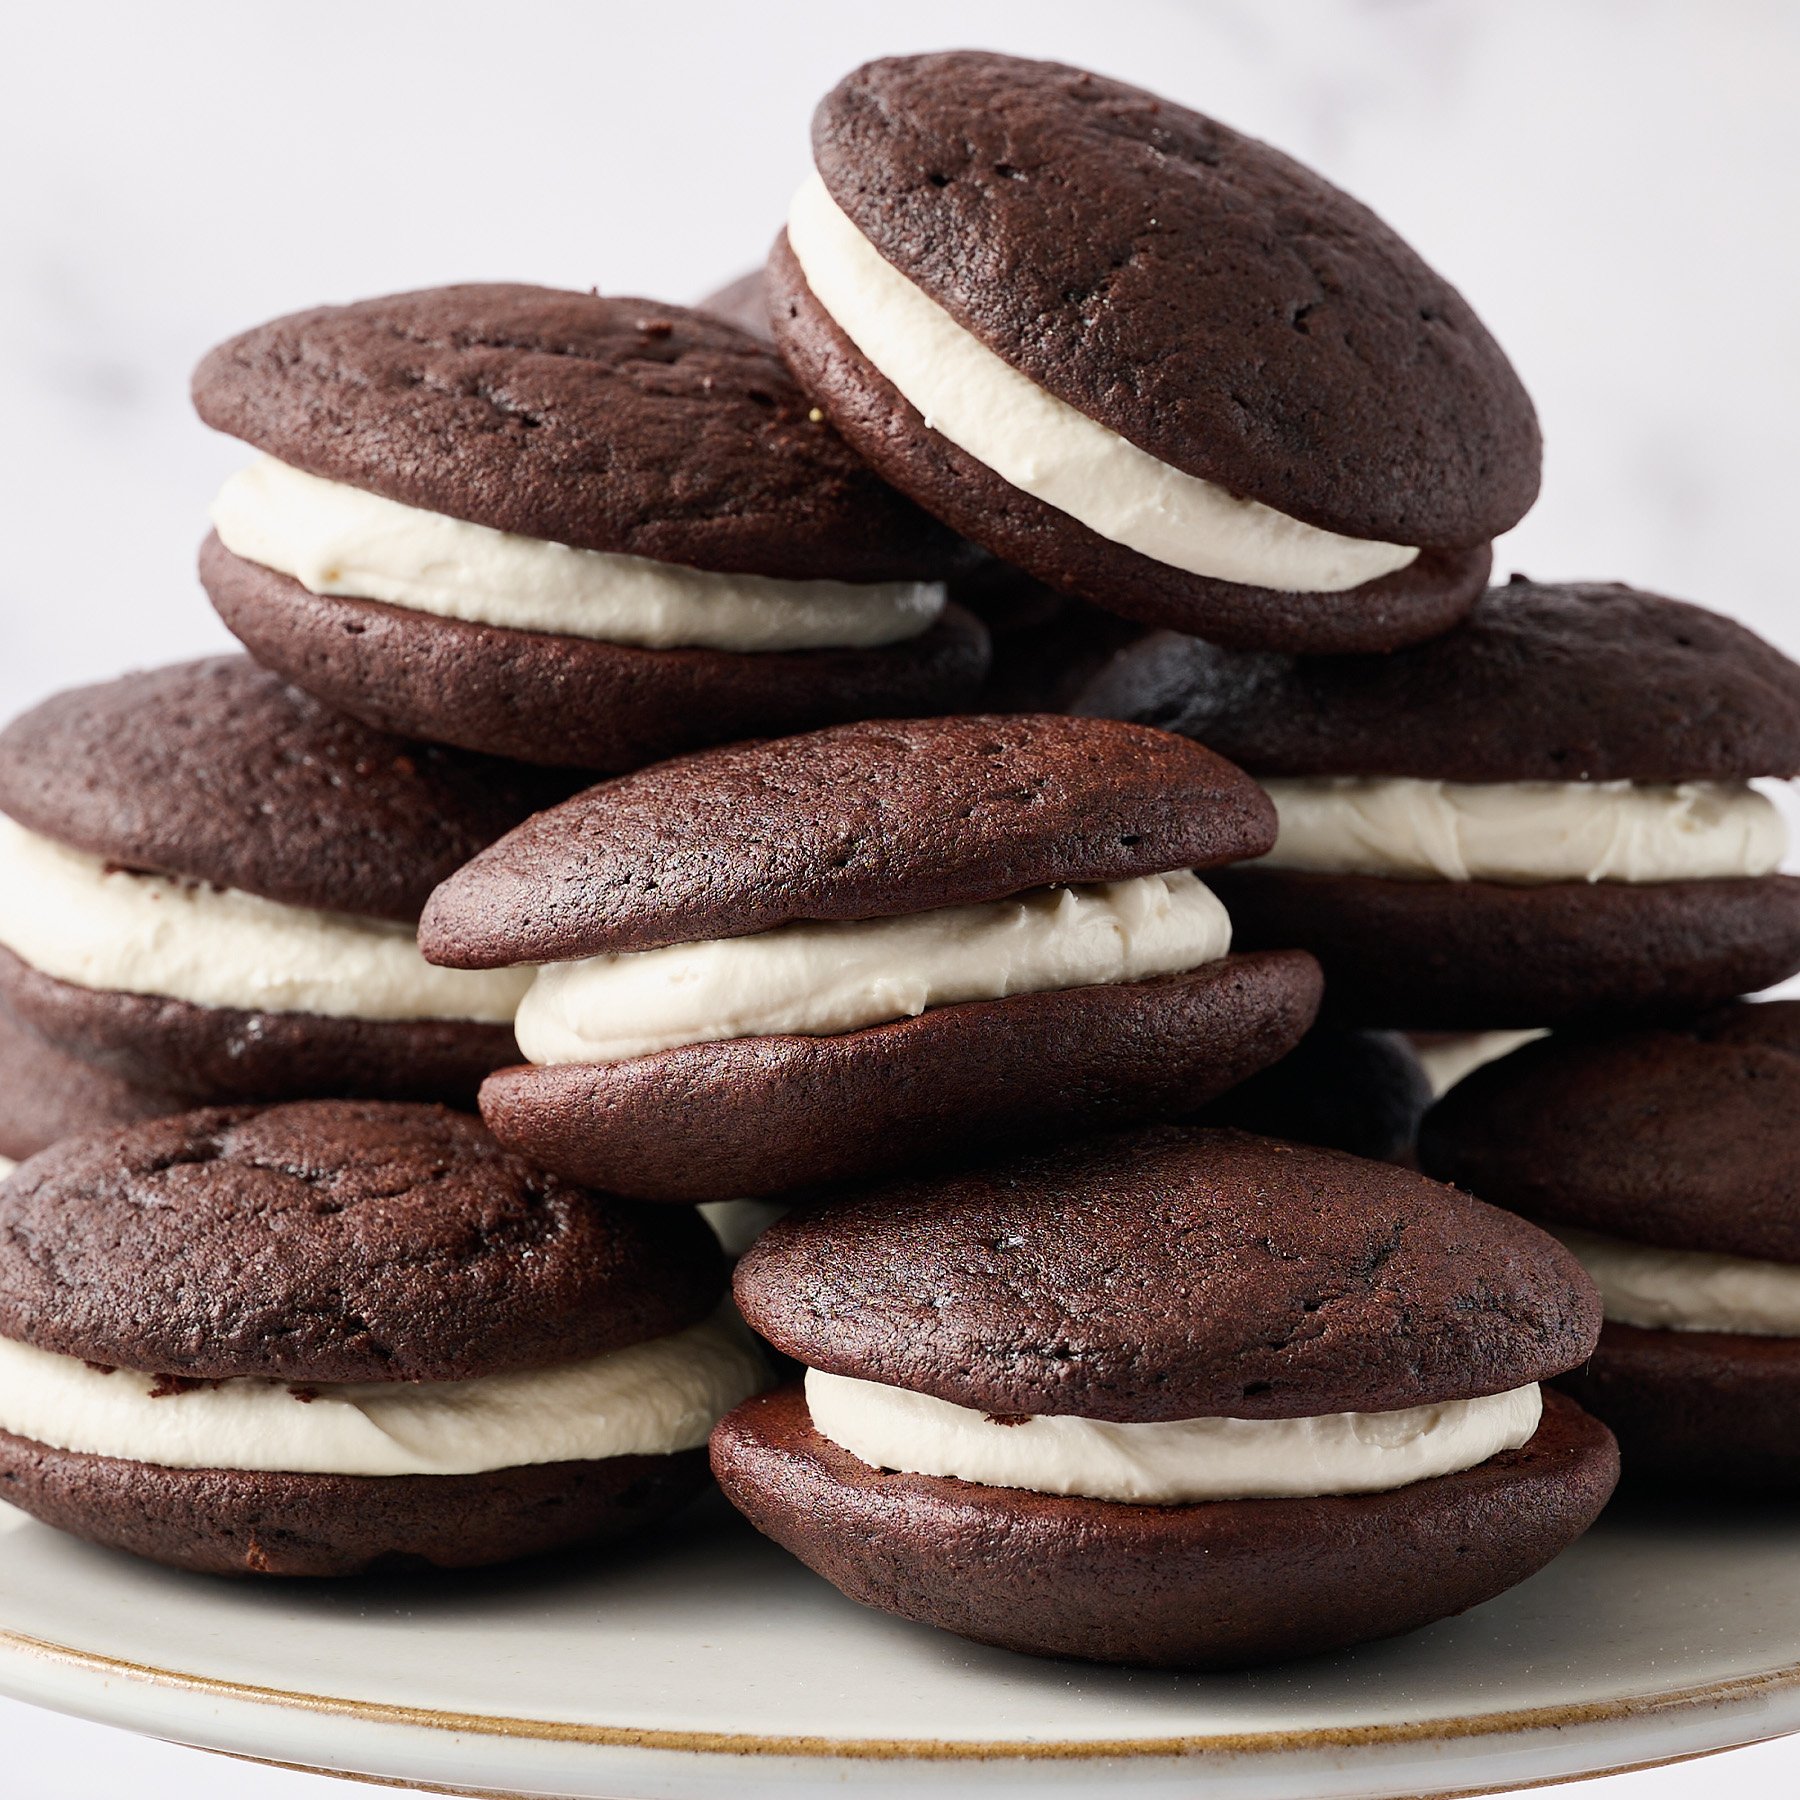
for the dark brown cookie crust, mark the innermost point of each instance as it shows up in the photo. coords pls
(1220, 1585)
(1046, 646)
(1585, 681)
(1361, 1091)
(757, 1116)
(861, 821)
(334, 1241)
(567, 701)
(744, 302)
(1172, 1274)
(1417, 602)
(211, 1054)
(606, 423)
(1198, 292)
(1685, 1135)
(46, 1096)
(1698, 1408)
(245, 1522)
(219, 771)
(1482, 956)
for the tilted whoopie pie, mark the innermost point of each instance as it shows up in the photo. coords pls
(209, 885)
(828, 955)
(46, 1095)
(1114, 1401)
(744, 303)
(333, 1336)
(565, 528)
(1543, 817)
(1152, 361)
(1668, 1159)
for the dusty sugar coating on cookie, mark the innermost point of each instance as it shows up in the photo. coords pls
(219, 771)
(1172, 1274)
(1279, 338)
(333, 1241)
(610, 424)
(866, 820)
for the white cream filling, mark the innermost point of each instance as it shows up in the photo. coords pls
(1688, 1290)
(337, 539)
(1526, 831)
(818, 978)
(1045, 447)
(1173, 1462)
(648, 1400)
(1454, 1058)
(76, 919)
(7, 1165)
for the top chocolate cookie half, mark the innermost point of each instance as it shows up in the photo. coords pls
(1172, 1274)
(860, 821)
(609, 424)
(1685, 1135)
(218, 771)
(333, 1241)
(1582, 681)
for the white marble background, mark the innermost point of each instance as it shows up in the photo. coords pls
(1614, 183)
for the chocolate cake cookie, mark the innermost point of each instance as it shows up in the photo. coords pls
(1668, 1159)
(209, 882)
(567, 529)
(1111, 1401)
(1544, 817)
(46, 1096)
(335, 1336)
(1152, 361)
(946, 931)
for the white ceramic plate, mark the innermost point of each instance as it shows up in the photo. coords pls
(709, 1664)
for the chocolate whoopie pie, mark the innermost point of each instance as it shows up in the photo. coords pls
(743, 303)
(1668, 1160)
(829, 955)
(567, 529)
(1544, 817)
(336, 1336)
(1154, 362)
(209, 884)
(1114, 1401)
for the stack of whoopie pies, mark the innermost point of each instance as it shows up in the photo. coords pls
(963, 755)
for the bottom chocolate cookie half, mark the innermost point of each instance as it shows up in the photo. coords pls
(1477, 955)
(573, 702)
(248, 1522)
(1711, 1409)
(205, 1054)
(1227, 1584)
(765, 1115)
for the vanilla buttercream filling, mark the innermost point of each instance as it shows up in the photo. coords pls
(7, 1165)
(1455, 1058)
(1688, 1290)
(651, 1399)
(1167, 1462)
(1045, 447)
(336, 539)
(1525, 832)
(78, 919)
(818, 978)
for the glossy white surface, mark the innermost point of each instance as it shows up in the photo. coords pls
(1662, 1634)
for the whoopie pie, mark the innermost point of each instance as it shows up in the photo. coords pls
(1543, 817)
(743, 302)
(1668, 1159)
(335, 1336)
(822, 956)
(566, 528)
(1154, 362)
(209, 885)
(1184, 1397)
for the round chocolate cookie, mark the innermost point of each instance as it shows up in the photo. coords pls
(1672, 1156)
(743, 852)
(46, 1096)
(442, 458)
(186, 1285)
(1175, 1280)
(990, 239)
(1544, 693)
(209, 882)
